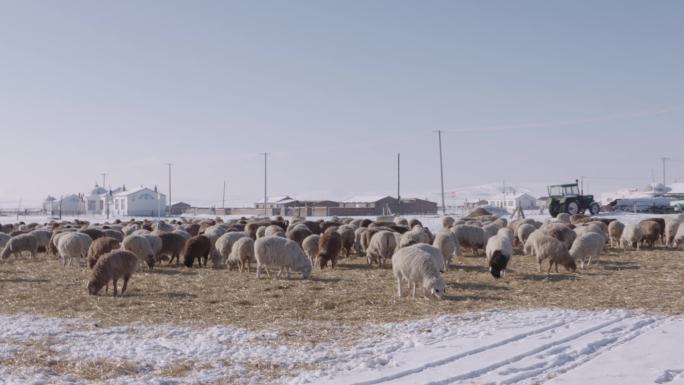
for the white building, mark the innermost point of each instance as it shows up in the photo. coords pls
(522, 200)
(69, 205)
(139, 202)
(95, 201)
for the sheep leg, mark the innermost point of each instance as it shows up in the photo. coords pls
(268, 273)
(123, 289)
(540, 266)
(399, 293)
(556, 267)
(258, 269)
(413, 289)
(288, 273)
(115, 283)
(548, 272)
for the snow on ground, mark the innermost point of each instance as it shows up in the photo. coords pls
(506, 347)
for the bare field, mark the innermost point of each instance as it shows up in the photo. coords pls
(352, 294)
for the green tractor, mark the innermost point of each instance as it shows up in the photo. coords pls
(566, 198)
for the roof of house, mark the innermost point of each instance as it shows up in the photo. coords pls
(134, 191)
(365, 198)
(277, 199)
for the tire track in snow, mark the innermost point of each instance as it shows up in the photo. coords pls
(456, 357)
(477, 373)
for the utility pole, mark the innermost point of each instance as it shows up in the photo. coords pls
(399, 181)
(224, 197)
(169, 164)
(582, 185)
(441, 169)
(104, 176)
(265, 182)
(664, 159)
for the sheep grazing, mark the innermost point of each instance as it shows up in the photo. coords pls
(615, 229)
(414, 236)
(172, 245)
(43, 238)
(72, 246)
(4, 238)
(471, 237)
(241, 254)
(448, 222)
(671, 227)
(499, 251)
(587, 246)
(358, 240)
(298, 233)
(260, 232)
(155, 243)
(19, 244)
(678, 240)
(140, 246)
(561, 232)
(224, 245)
(197, 247)
(631, 235)
(274, 230)
(447, 243)
(112, 267)
(310, 246)
(381, 247)
(661, 227)
(650, 232)
(415, 265)
(490, 229)
(92, 233)
(547, 247)
(281, 253)
(348, 239)
(524, 232)
(186, 235)
(100, 247)
(112, 233)
(329, 247)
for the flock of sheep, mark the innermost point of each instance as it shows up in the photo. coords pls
(114, 251)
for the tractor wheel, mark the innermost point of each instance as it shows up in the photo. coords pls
(594, 208)
(572, 208)
(554, 209)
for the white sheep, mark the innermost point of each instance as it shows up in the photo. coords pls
(671, 227)
(261, 232)
(490, 229)
(358, 236)
(678, 241)
(470, 236)
(224, 245)
(43, 237)
(499, 251)
(587, 246)
(615, 229)
(563, 218)
(508, 233)
(71, 246)
(418, 234)
(547, 247)
(18, 244)
(280, 252)
(447, 222)
(242, 253)
(381, 247)
(310, 246)
(415, 265)
(155, 242)
(631, 235)
(140, 246)
(528, 247)
(447, 243)
(274, 230)
(524, 231)
(163, 227)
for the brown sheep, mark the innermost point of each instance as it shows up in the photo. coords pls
(100, 247)
(348, 238)
(192, 229)
(298, 233)
(197, 247)
(92, 233)
(112, 267)
(329, 247)
(172, 245)
(650, 230)
(661, 228)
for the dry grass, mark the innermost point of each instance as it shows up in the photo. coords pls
(352, 294)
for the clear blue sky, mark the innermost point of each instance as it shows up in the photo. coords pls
(333, 90)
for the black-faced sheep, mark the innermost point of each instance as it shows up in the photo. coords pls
(499, 251)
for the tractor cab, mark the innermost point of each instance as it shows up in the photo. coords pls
(567, 198)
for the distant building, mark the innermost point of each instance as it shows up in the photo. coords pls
(69, 205)
(275, 202)
(179, 208)
(522, 200)
(139, 202)
(415, 206)
(368, 205)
